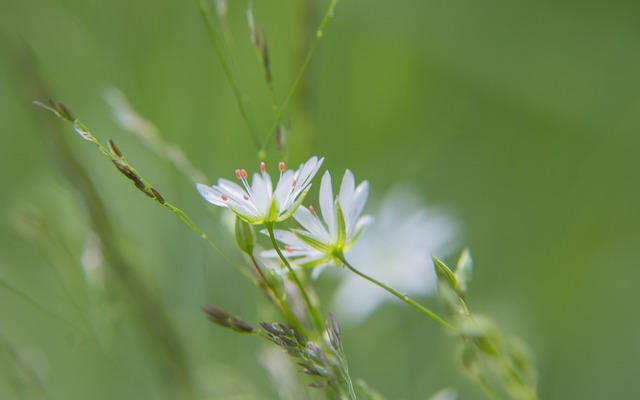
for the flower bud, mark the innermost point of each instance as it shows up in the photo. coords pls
(275, 280)
(244, 236)
(464, 269)
(444, 274)
(223, 318)
(115, 150)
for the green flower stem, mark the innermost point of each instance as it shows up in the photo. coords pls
(345, 374)
(315, 315)
(399, 295)
(284, 307)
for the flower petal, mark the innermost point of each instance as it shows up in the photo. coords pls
(312, 224)
(327, 205)
(260, 194)
(210, 195)
(359, 199)
(284, 187)
(347, 189)
(305, 174)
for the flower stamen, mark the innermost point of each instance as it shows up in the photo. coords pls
(242, 175)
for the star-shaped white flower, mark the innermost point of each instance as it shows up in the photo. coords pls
(322, 242)
(260, 203)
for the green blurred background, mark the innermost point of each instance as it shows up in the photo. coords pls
(521, 117)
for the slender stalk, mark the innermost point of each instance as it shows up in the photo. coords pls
(346, 376)
(171, 357)
(283, 305)
(399, 295)
(241, 99)
(303, 68)
(315, 315)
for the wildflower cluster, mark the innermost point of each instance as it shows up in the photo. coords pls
(388, 258)
(324, 238)
(327, 237)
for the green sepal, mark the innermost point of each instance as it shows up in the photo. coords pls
(341, 227)
(449, 299)
(464, 271)
(444, 274)
(483, 332)
(272, 215)
(245, 237)
(316, 244)
(275, 280)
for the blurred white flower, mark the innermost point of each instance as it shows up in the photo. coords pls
(259, 203)
(396, 250)
(320, 242)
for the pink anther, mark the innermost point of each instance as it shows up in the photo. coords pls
(281, 166)
(263, 167)
(224, 197)
(312, 210)
(238, 174)
(244, 196)
(288, 248)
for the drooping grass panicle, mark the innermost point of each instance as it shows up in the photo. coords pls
(117, 158)
(166, 349)
(115, 154)
(131, 121)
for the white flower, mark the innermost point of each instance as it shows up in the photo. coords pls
(396, 250)
(320, 243)
(260, 203)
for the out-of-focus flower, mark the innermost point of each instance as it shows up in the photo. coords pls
(260, 203)
(396, 250)
(322, 241)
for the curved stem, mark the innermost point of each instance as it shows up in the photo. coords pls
(317, 320)
(284, 307)
(399, 295)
